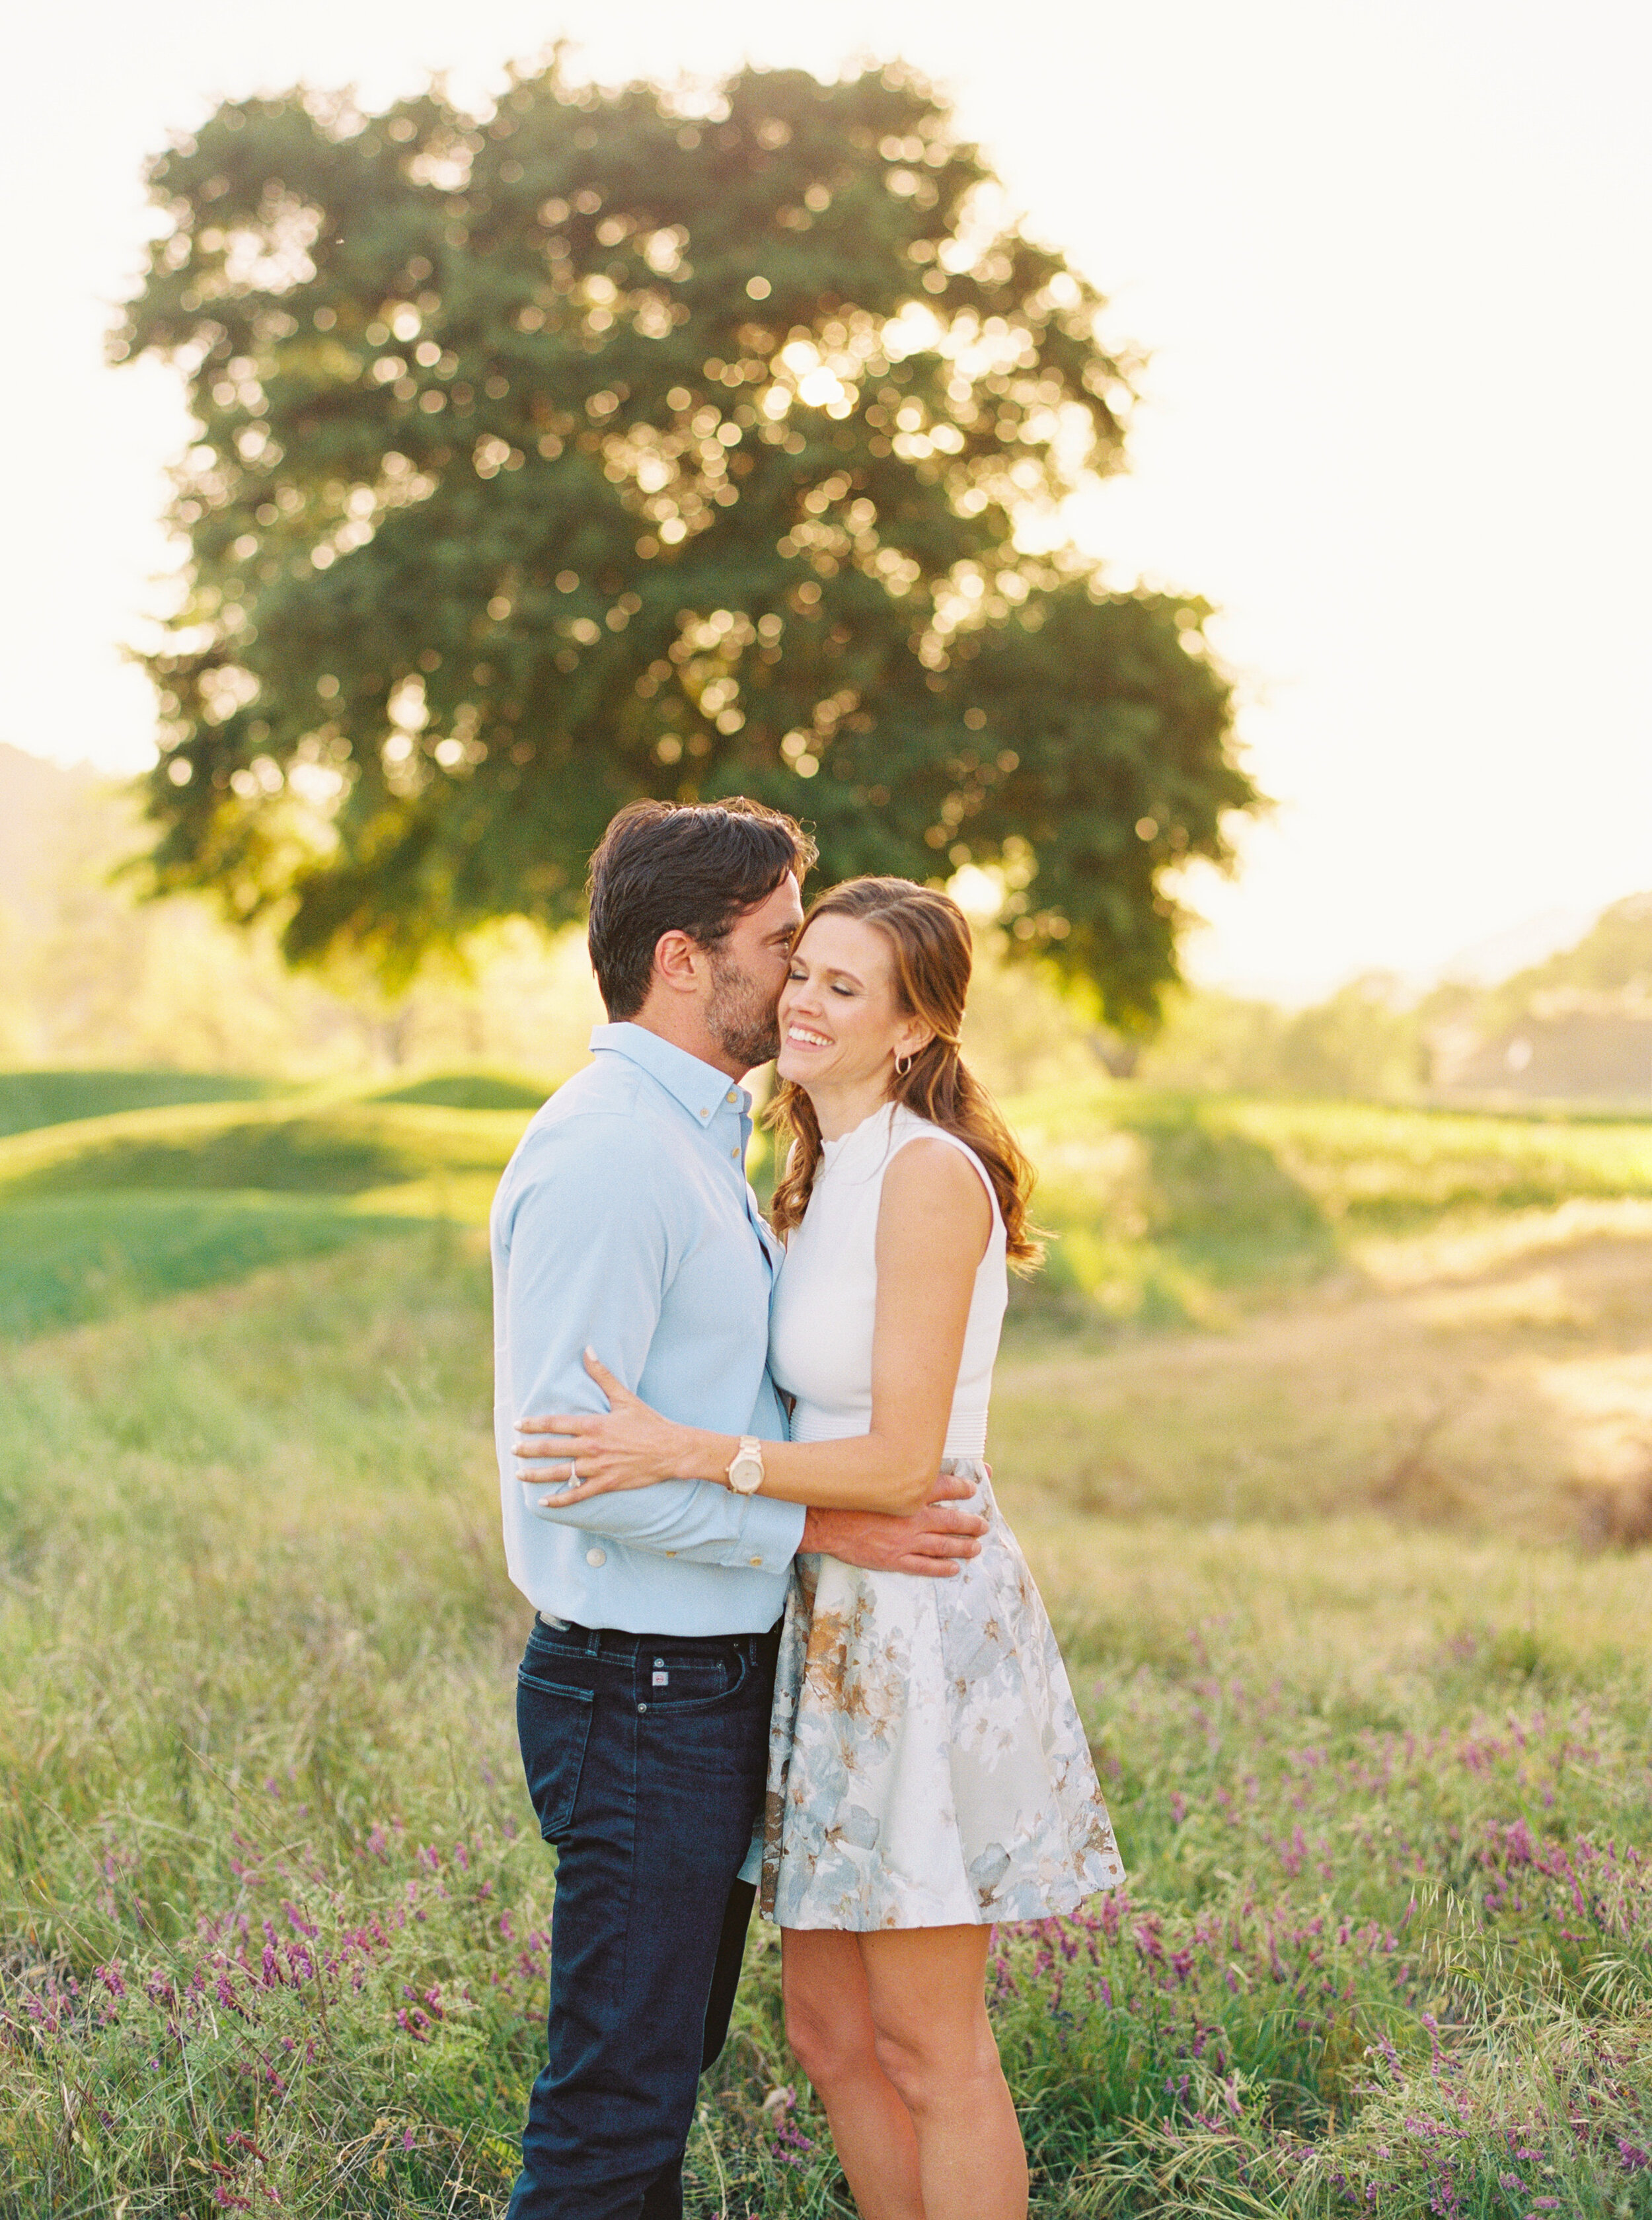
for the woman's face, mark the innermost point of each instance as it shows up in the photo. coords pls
(841, 1022)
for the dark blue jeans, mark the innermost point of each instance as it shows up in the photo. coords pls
(645, 1757)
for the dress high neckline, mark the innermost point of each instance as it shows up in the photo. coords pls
(833, 1151)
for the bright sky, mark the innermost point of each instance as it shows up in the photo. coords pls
(1391, 264)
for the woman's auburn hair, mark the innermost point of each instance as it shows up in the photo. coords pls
(930, 951)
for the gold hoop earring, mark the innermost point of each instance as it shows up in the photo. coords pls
(903, 1065)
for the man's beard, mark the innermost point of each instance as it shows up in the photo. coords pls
(744, 1023)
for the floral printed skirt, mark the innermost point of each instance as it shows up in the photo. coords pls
(926, 1763)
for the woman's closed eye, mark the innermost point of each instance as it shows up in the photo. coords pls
(836, 986)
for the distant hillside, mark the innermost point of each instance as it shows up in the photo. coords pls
(1577, 1024)
(90, 975)
(38, 801)
(1487, 962)
(1613, 958)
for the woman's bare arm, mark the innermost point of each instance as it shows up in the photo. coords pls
(934, 1223)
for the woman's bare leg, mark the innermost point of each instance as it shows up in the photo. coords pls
(925, 1987)
(829, 2026)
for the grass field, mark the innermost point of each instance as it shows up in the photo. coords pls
(31, 1098)
(1373, 1725)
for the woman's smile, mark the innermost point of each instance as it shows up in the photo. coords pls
(844, 965)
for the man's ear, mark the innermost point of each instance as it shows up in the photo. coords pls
(680, 964)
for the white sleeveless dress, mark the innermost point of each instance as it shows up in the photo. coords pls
(927, 1767)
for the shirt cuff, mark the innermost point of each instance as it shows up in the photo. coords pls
(769, 1535)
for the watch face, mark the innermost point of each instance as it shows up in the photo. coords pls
(745, 1475)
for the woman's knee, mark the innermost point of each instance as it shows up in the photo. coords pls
(827, 2027)
(830, 2047)
(935, 2068)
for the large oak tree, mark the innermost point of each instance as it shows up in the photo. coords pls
(588, 450)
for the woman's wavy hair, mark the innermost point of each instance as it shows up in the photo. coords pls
(929, 943)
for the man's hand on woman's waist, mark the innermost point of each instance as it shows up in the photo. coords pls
(930, 1542)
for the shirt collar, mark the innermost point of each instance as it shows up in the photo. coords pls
(700, 1088)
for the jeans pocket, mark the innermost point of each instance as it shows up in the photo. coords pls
(554, 1725)
(693, 1683)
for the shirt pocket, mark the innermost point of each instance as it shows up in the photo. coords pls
(553, 1724)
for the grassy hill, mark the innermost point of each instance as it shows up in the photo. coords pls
(1173, 1209)
(1430, 1313)
(68, 1258)
(101, 1212)
(273, 1906)
(1165, 1209)
(32, 1099)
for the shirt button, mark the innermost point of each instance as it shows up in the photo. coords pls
(732, 1096)
(596, 1556)
(670, 1553)
(735, 1154)
(756, 1561)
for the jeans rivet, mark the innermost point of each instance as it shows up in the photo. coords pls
(642, 1707)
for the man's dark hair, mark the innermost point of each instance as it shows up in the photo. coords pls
(670, 867)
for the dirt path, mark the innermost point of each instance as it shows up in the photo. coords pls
(1496, 1379)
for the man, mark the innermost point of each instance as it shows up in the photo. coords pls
(624, 1222)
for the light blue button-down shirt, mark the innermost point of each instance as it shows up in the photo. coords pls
(624, 1220)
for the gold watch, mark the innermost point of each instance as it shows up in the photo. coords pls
(746, 1473)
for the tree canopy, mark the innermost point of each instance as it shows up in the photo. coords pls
(589, 450)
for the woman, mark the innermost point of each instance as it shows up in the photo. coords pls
(928, 1774)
